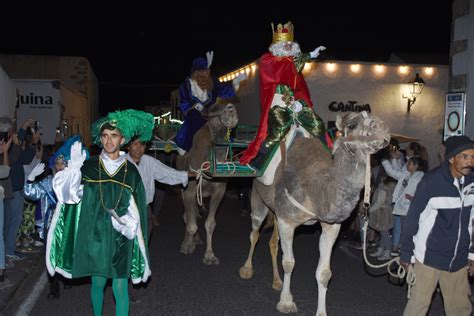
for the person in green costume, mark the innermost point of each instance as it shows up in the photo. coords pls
(99, 225)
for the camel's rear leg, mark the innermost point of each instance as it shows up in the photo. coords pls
(258, 214)
(210, 224)
(323, 272)
(273, 245)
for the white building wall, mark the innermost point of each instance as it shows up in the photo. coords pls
(462, 54)
(382, 92)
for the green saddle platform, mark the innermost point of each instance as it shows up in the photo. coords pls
(229, 166)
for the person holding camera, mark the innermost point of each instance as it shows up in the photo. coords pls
(20, 154)
(396, 167)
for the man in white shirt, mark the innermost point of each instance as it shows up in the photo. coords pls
(152, 169)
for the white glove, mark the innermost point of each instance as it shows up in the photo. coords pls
(297, 106)
(315, 53)
(199, 107)
(240, 77)
(237, 80)
(128, 227)
(77, 156)
(37, 170)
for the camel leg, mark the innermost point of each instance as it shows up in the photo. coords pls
(258, 214)
(287, 231)
(323, 271)
(190, 219)
(210, 224)
(273, 245)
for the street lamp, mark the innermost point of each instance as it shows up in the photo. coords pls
(415, 86)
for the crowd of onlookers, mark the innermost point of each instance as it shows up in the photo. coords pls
(395, 175)
(20, 151)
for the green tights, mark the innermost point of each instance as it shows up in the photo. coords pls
(120, 289)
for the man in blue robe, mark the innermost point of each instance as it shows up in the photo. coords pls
(196, 94)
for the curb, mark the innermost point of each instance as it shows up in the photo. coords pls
(24, 276)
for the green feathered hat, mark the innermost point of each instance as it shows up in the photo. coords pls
(129, 122)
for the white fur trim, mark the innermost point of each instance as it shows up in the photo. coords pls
(141, 245)
(198, 92)
(54, 222)
(269, 174)
(65, 274)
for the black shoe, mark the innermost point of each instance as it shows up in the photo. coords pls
(135, 300)
(53, 294)
(54, 289)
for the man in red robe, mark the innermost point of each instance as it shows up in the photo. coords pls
(281, 66)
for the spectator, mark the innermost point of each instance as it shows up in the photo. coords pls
(380, 215)
(5, 143)
(407, 182)
(20, 154)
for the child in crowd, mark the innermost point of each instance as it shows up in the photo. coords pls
(41, 189)
(402, 195)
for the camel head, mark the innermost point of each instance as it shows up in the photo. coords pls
(361, 133)
(222, 117)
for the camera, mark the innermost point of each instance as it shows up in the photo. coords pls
(36, 126)
(4, 136)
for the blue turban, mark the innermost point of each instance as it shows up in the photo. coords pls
(199, 63)
(64, 152)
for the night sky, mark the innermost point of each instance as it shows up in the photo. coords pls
(139, 57)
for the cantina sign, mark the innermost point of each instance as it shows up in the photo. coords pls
(350, 106)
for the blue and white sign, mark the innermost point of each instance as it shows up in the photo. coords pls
(454, 115)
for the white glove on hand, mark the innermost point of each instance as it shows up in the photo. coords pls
(128, 227)
(297, 106)
(77, 156)
(237, 80)
(315, 53)
(37, 170)
(240, 77)
(199, 107)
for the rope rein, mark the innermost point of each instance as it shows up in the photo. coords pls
(206, 165)
(401, 272)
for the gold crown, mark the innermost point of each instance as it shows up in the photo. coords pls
(284, 33)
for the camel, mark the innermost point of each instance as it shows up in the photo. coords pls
(312, 185)
(221, 118)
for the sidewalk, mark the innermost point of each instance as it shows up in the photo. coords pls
(22, 275)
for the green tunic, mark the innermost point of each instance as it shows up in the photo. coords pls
(83, 241)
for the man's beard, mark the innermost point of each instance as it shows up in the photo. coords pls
(278, 49)
(204, 81)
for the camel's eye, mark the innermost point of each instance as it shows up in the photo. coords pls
(351, 125)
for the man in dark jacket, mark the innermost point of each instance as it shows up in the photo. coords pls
(21, 153)
(438, 231)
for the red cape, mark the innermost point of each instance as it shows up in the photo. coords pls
(274, 71)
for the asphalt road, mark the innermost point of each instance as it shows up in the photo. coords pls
(182, 285)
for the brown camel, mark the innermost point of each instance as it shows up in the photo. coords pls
(311, 185)
(221, 118)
